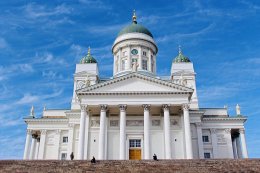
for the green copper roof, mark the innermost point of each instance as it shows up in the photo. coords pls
(134, 27)
(88, 58)
(181, 58)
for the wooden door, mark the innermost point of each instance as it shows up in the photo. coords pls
(135, 154)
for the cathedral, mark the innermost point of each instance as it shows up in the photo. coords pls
(135, 114)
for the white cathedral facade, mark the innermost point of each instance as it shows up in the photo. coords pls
(135, 113)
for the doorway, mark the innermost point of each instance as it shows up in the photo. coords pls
(135, 150)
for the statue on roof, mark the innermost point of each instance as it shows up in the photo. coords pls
(238, 110)
(32, 112)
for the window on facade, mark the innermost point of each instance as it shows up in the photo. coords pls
(65, 139)
(134, 60)
(63, 156)
(144, 53)
(123, 65)
(207, 155)
(205, 138)
(135, 143)
(144, 64)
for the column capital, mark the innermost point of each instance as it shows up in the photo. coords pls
(146, 107)
(165, 107)
(185, 106)
(34, 135)
(214, 131)
(103, 107)
(242, 131)
(83, 107)
(29, 131)
(228, 130)
(43, 132)
(122, 107)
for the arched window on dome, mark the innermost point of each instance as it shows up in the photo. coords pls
(144, 64)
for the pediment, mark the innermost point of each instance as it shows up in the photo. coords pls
(135, 82)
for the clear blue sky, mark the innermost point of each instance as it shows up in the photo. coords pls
(41, 41)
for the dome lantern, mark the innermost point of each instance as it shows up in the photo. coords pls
(181, 58)
(88, 59)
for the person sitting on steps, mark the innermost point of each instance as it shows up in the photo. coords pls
(93, 160)
(155, 157)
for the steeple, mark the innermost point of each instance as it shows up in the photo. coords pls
(134, 17)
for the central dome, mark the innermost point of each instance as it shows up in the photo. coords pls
(135, 28)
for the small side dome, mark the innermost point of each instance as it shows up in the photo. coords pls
(88, 59)
(181, 58)
(135, 28)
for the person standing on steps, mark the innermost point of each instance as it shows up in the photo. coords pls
(71, 156)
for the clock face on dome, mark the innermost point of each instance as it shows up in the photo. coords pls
(134, 52)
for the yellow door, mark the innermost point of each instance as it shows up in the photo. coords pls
(135, 154)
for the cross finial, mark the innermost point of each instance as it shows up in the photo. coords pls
(134, 17)
(180, 49)
(89, 50)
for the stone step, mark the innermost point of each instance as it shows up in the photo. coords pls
(107, 166)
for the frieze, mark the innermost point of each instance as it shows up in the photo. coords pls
(94, 123)
(134, 122)
(114, 123)
(156, 122)
(174, 122)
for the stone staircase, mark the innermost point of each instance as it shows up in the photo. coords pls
(127, 166)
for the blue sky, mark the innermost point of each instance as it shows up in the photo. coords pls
(41, 41)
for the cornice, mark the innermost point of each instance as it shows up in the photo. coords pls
(45, 120)
(134, 93)
(226, 119)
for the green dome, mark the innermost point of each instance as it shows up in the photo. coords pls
(181, 58)
(88, 58)
(134, 27)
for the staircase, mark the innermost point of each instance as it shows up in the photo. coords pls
(127, 166)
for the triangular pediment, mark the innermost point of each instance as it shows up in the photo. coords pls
(135, 82)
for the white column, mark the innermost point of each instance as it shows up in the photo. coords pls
(42, 145)
(37, 148)
(234, 144)
(229, 143)
(82, 132)
(129, 65)
(27, 144)
(149, 60)
(239, 151)
(140, 58)
(243, 143)
(86, 136)
(34, 136)
(167, 135)
(57, 144)
(200, 142)
(101, 144)
(122, 132)
(119, 60)
(70, 140)
(214, 142)
(146, 131)
(186, 118)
